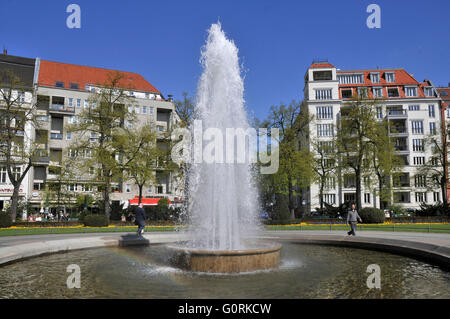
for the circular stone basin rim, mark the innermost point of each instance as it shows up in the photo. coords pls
(210, 252)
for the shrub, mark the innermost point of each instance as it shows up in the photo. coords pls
(438, 209)
(5, 220)
(95, 220)
(371, 215)
(397, 211)
(281, 208)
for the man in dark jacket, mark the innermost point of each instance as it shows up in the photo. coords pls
(352, 217)
(140, 219)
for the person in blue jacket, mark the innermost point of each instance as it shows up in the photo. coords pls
(140, 219)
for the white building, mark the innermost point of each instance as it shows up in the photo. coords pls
(410, 105)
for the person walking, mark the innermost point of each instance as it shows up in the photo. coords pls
(140, 219)
(352, 218)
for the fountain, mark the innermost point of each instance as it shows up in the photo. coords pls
(224, 198)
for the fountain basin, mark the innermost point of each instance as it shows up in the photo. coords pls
(225, 261)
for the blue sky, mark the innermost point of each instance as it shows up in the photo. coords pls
(277, 40)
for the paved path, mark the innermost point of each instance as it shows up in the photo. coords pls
(433, 247)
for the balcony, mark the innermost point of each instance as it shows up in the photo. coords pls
(61, 108)
(56, 136)
(397, 113)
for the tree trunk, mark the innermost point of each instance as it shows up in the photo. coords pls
(140, 193)
(14, 203)
(291, 199)
(321, 196)
(358, 188)
(106, 204)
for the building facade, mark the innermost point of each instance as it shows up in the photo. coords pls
(61, 91)
(412, 107)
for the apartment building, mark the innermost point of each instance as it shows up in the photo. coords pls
(61, 91)
(24, 69)
(411, 107)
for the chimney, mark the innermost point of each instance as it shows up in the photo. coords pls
(5, 51)
(170, 97)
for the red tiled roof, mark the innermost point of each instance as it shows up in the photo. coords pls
(51, 72)
(321, 65)
(401, 77)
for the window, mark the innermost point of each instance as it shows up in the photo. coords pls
(375, 77)
(326, 147)
(436, 196)
(324, 112)
(86, 104)
(70, 101)
(74, 86)
(431, 110)
(349, 197)
(417, 127)
(160, 190)
(38, 186)
(78, 103)
(429, 92)
(91, 170)
(144, 109)
(93, 137)
(393, 92)
(420, 181)
(379, 112)
(362, 92)
(418, 145)
(419, 160)
(160, 128)
(346, 93)
(414, 107)
(330, 199)
(322, 75)
(151, 110)
(349, 181)
(147, 96)
(21, 96)
(59, 84)
(17, 171)
(3, 174)
(367, 198)
(330, 183)
(434, 161)
(72, 152)
(149, 188)
(421, 197)
(137, 109)
(128, 188)
(55, 136)
(377, 92)
(401, 197)
(410, 91)
(325, 130)
(351, 78)
(433, 128)
(323, 94)
(68, 135)
(390, 77)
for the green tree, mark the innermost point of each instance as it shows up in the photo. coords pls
(102, 133)
(16, 116)
(295, 162)
(185, 110)
(356, 129)
(436, 167)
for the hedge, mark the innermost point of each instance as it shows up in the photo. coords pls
(371, 215)
(96, 220)
(5, 220)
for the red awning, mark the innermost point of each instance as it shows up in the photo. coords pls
(146, 201)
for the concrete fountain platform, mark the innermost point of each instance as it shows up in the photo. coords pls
(133, 240)
(433, 247)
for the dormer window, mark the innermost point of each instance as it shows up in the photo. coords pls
(351, 78)
(392, 92)
(59, 84)
(346, 93)
(362, 92)
(410, 91)
(377, 92)
(74, 86)
(375, 77)
(390, 77)
(429, 91)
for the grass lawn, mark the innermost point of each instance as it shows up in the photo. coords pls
(432, 228)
